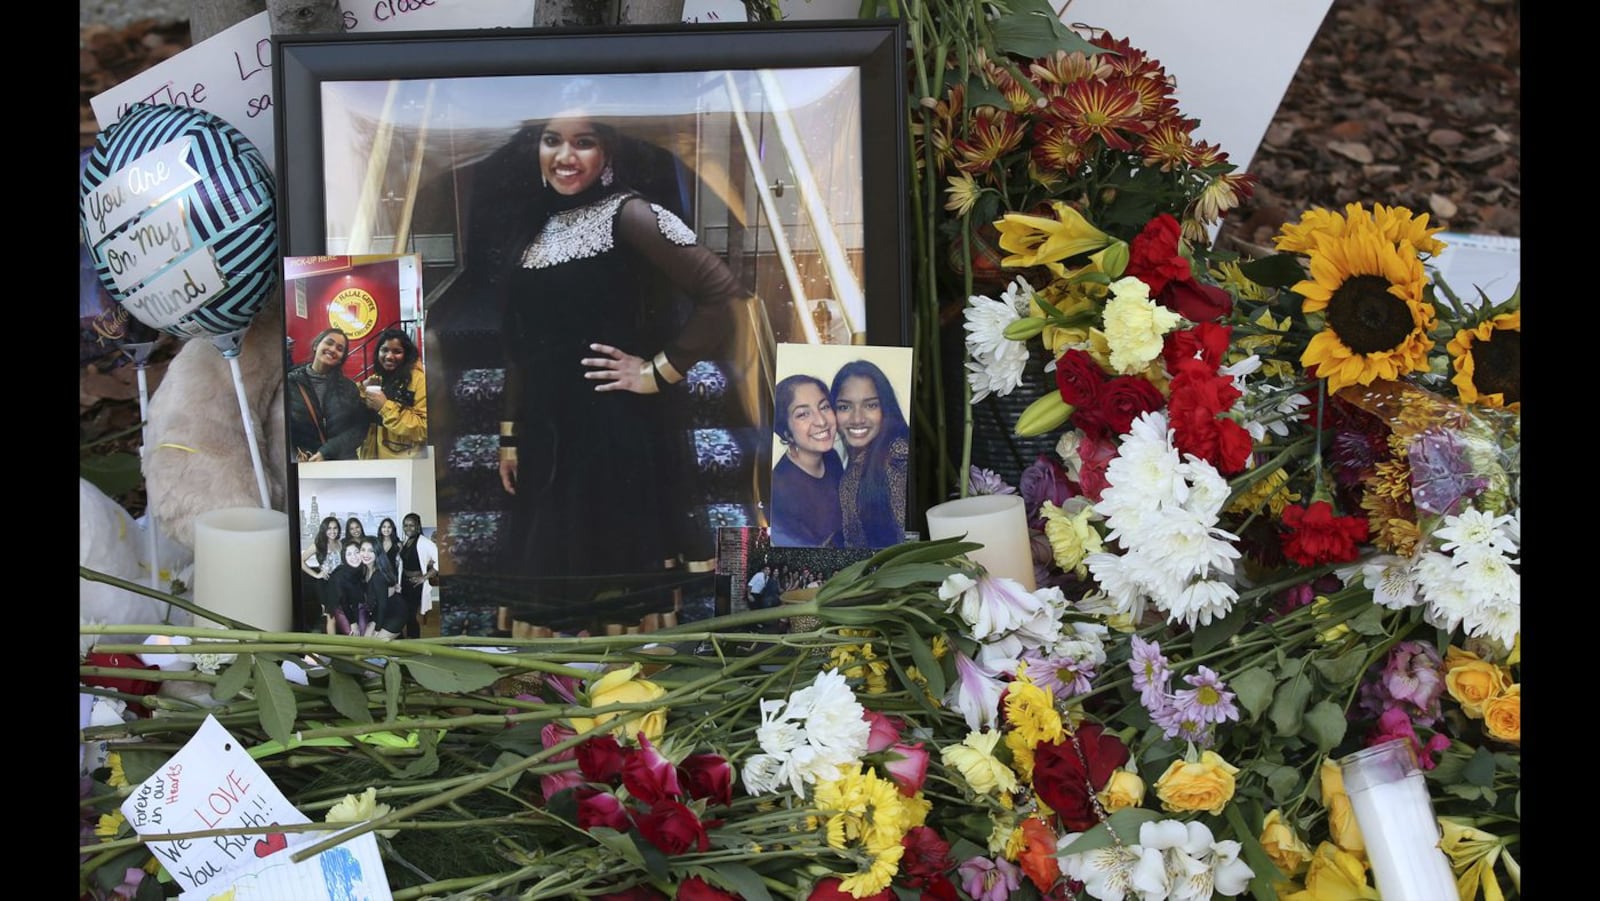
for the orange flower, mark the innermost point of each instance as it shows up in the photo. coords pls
(1038, 855)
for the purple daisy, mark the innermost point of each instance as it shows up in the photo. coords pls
(1151, 674)
(1065, 677)
(1175, 722)
(1208, 700)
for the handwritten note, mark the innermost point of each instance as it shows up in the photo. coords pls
(352, 871)
(428, 15)
(228, 75)
(211, 783)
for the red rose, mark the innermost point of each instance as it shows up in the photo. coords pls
(124, 684)
(649, 776)
(1078, 378)
(1095, 454)
(908, 767)
(696, 889)
(1316, 536)
(1124, 399)
(1194, 301)
(1153, 256)
(672, 827)
(828, 890)
(1064, 781)
(707, 776)
(1206, 342)
(926, 858)
(600, 759)
(598, 808)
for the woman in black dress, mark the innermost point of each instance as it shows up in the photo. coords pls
(805, 483)
(595, 468)
(872, 493)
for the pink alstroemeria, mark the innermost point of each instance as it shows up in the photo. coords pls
(976, 693)
(598, 808)
(908, 767)
(885, 730)
(989, 880)
(648, 775)
(553, 783)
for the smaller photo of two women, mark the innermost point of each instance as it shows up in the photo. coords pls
(841, 445)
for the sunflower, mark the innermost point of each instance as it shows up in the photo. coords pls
(1395, 224)
(1488, 362)
(1377, 323)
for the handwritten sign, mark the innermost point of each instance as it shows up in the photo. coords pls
(428, 15)
(345, 872)
(211, 783)
(228, 75)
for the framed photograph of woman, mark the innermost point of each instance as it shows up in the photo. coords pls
(617, 227)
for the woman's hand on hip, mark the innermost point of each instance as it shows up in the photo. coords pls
(616, 371)
(508, 474)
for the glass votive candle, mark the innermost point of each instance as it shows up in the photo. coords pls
(1389, 796)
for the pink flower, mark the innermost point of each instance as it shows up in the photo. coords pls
(989, 880)
(885, 730)
(908, 767)
(598, 808)
(553, 783)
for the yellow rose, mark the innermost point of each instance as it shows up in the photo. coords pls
(620, 687)
(1286, 849)
(1472, 681)
(1206, 784)
(1124, 789)
(1341, 816)
(1502, 715)
(1334, 873)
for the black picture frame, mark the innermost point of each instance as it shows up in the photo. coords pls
(311, 71)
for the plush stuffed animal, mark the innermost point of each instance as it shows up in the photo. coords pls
(196, 458)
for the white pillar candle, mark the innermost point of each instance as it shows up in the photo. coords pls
(1390, 799)
(999, 522)
(242, 566)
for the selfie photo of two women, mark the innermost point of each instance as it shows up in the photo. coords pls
(610, 264)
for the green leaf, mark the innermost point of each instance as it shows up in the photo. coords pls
(1281, 270)
(1253, 687)
(508, 759)
(347, 696)
(1282, 781)
(1289, 704)
(392, 679)
(523, 738)
(618, 843)
(1261, 880)
(1345, 668)
(742, 881)
(428, 763)
(655, 863)
(911, 573)
(1125, 821)
(1212, 635)
(1480, 769)
(233, 679)
(1031, 29)
(141, 765)
(448, 675)
(115, 473)
(276, 699)
(1325, 723)
(926, 664)
(1370, 621)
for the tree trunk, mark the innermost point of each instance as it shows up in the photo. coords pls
(650, 12)
(209, 17)
(585, 13)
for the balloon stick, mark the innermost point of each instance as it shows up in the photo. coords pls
(139, 353)
(228, 344)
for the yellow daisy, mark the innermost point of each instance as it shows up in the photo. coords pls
(1376, 322)
(1488, 362)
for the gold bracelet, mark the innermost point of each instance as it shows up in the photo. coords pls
(508, 454)
(508, 428)
(647, 379)
(667, 370)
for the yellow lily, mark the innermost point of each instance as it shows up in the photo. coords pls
(1040, 240)
(1473, 854)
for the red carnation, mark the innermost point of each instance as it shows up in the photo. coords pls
(1065, 780)
(1153, 256)
(1206, 342)
(672, 827)
(926, 858)
(1316, 536)
(1197, 411)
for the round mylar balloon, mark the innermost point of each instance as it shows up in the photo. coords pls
(178, 215)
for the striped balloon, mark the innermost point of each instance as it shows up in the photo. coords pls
(177, 209)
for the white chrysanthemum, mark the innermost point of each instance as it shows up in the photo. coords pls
(1208, 490)
(998, 374)
(834, 719)
(1188, 547)
(1134, 325)
(1475, 530)
(764, 773)
(1392, 581)
(1500, 619)
(1199, 602)
(778, 734)
(1448, 595)
(1120, 583)
(986, 322)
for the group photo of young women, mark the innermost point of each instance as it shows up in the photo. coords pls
(844, 444)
